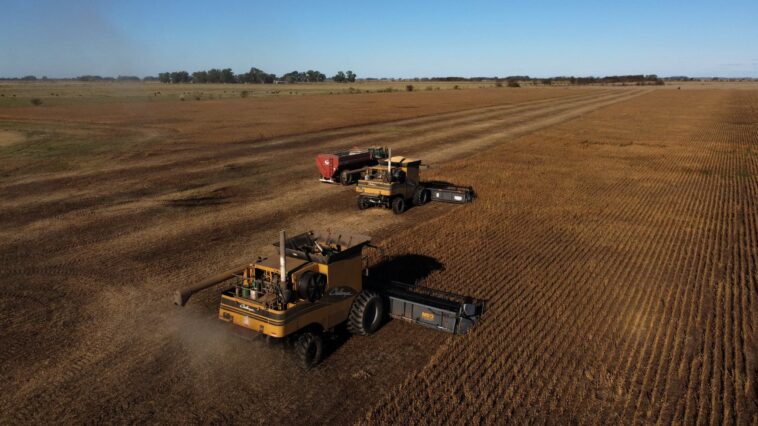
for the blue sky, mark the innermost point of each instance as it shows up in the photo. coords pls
(380, 39)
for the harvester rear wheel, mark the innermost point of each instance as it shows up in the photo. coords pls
(398, 205)
(366, 314)
(363, 203)
(421, 196)
(309, 348)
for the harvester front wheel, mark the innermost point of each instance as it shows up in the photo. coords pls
(421, 196)
(309, 348)
(346, 178)
(398, 205)
(366, 314)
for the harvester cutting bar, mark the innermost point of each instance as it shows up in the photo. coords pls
(452, 194)
(432, 308)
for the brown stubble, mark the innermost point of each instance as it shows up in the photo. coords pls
(591, 239)
(618, 252)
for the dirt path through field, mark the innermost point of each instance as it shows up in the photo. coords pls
(260, 168)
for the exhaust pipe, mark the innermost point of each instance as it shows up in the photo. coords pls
(389, 165)
(282, 252)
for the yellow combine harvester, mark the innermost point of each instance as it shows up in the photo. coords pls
(396, 183)
(318, 282)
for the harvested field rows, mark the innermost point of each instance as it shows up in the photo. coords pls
(618, 253)
(108, 247)
(617, 250)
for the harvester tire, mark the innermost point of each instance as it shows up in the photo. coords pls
(363, 203)
(421, 196)
(309, 348)
(366, 314)
(398, 205)
(346, 178)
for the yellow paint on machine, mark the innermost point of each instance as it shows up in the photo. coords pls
(325, 315)
(326, 312)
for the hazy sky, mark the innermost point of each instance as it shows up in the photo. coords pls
(380, 39)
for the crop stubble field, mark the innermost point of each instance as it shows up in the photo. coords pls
(614, 236)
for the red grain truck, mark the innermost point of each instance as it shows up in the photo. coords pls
(345, 167)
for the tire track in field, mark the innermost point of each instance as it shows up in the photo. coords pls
(693, 267)
(495, 301)
(617, 283)
(189, 157)
(82, 358)
(578, 267)
(99, 188)
(299, 190)
(650, 348)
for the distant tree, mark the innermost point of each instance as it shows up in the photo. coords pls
(180, 77)
(150, 78)
(127, 78)
(340, 77)
(90, 78)
(314, 76)
(227, 76)
(164, 77)
(214, 75)
(200, 77)
(28, 78)
(258, 76)
(350, 76)
(295, 77)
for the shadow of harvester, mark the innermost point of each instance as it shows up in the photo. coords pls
(406, 268)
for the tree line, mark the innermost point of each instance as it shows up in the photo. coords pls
(254, 76)
(258, 76)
